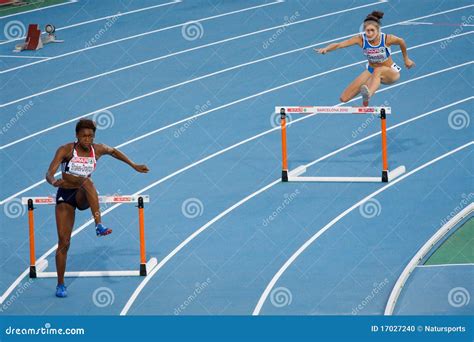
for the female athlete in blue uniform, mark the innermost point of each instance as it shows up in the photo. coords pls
(76, 190)
(380, 66)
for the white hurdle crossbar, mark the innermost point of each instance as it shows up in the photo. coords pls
(37, 268)
(295, 175)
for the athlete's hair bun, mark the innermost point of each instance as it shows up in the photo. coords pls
(375, 16)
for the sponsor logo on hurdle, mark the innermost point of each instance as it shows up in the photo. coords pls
(122, 199)
(46, 200)
(295, 110)
(366, 110)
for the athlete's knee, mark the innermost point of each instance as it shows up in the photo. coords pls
(64, 244)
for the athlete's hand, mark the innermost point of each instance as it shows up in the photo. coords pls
(322, 51)
(141, 168)
(409, 63)
(58, 182)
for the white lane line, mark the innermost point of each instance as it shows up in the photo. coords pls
(145, 34)
(27, 137)
(343, 37)
(10, 56)
(145, 281)
(38, 9)
(52, 249)
(246, 98)
(303, 247)
(445, 265)
(185, 51)
(438, 24)
(118, 14)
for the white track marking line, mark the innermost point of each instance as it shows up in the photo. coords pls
(119, 14)
(52, 249)
(444, 265)
(9, 56)
(429, 23)
(244, 99)
(141, 286)
(145, 34)
(38, 9)
(179, 53)
(199, 78)
(309, 46)
(303, 247)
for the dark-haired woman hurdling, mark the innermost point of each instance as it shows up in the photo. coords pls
(76, 189)
(380, 67)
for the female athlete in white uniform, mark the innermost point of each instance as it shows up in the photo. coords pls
(76, 190)
(380, 66)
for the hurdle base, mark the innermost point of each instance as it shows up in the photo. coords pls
(151, 264)
(387, 176)
(32, 271)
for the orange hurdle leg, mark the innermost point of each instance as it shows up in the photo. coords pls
(284, 172)
(383, 118)
(141, 225)
(31, 226)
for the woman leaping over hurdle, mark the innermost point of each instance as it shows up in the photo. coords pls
(76, 189)
(380, 67)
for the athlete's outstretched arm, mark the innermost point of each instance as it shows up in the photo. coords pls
(394, 40)
(356, 40)
(102, 149)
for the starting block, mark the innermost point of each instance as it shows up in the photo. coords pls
(295, 175)
(37, 269)
(34, 41)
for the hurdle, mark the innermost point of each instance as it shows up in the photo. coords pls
(295, 175)
(37, 268)
(34, 41)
